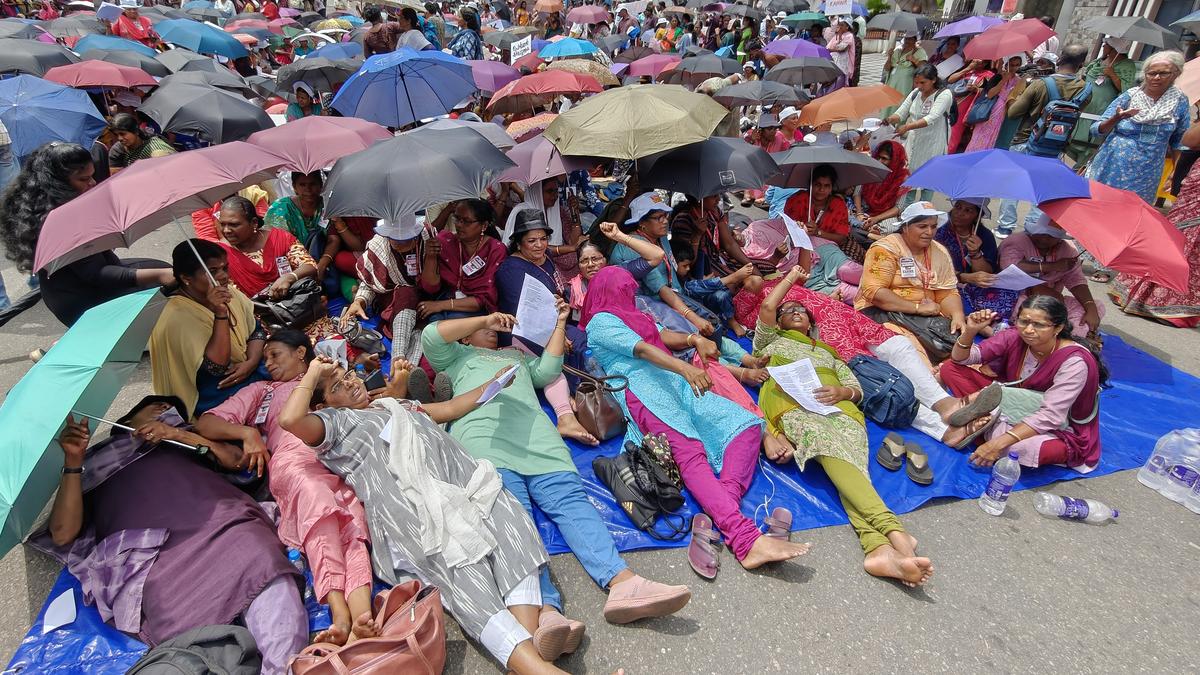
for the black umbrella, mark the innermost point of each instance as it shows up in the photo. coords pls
(216, 115)
(318, 72)
(222, 80)
(710, 167)
(183, 59)
(165, 12)
(697, 51)
(804, 70)
(756, 92)
(264, 86)
(853, 168)
(501, 39)
(32, 57)
(18, 30)
(633, 54)
(1133, 28)
(788, 6)
(697, 68)
(75, 26)
(743, 10)
(610, 43)
(437, 166)
(124, 57)
(901, 22)
(306, 18)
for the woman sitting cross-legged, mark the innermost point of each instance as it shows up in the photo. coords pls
(435, 513)
(837, 442)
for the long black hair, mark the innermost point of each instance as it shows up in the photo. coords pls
(1057, 311)
(42, 186)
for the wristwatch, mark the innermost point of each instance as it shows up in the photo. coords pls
(203, 450)
(72, 469)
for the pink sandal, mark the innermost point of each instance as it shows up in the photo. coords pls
(705, 545)
(779, 524)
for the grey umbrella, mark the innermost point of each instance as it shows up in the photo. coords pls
(803, 70)
(1134, 28)
(166, 12)
(75, 26)
(853, 168)
(18, 30)
(226, 80)
(217, 115)
(901, 22)
(788, 6)
(184, 59)
(710, 167)
(697, 51)
(205, 13)
(494, 133)
(264, 86)
(32, 57)
(610, 43)
(437, 166)
(634, 53)
(502, 39)
(124, 57)
(318, 72)
(696, 69)
(757, 92)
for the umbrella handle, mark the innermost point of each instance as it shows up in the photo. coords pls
(117, 425)
(192, 246)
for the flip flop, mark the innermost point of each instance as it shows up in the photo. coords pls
(891, 452)
(704, 547)
(986, 401)
(975, 434)
(779, 524)
(918, 465)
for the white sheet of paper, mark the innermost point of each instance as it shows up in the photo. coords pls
(536, 316)
(60, 612)
(385, 434)
(798, 379)
(498, 384)
(1013, 278)
(798, 234)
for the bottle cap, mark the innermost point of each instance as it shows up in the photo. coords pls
(1115, 514)
(1012, 454)
(293, 554)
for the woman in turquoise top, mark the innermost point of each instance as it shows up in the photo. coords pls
(515, 434)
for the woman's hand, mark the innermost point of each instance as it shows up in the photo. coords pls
(1124, 114)
(74, 441)
(281, 285)
(433, 246)
(797, 275)
(978, 320)
(832, 395)
(500, 322)
(321, 366)
(927, 307)
(563, 309)
(155, 431)
(611, 231)
(987, 453)
(218, 299)
(972, 243)
(697, 378)
(1091, 317)
(980, 279)
(707, 349)
(355, 310)
(703, 325)
(958, 324)
(237, 373)
(427, 308)
(254, 453)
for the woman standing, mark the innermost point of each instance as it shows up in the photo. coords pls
(1003, 86)
(901, 66)
(975, 74)
(922, 123)
(306, 103)
(381, 36)
(1111, 75)
(467, 44)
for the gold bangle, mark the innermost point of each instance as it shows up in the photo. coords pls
(959, 344)
(1015, 437)
(689, 340)
(1089, 302)
(452, 304)
(324, 257)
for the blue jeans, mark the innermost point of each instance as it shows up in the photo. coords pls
(560, 496)
(712, 294)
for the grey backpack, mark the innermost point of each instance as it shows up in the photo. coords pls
(220, 650)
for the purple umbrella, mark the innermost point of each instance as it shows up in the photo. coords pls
(289, 12)
(492, 75)
(968, 26)
(796, 48)
(537, 159)
(618, 68)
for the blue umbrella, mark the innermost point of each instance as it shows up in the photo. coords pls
(200, 38)
(404, 86)
(112, 43)
(196, 4)
(567, 47)
(855, 9)
(338, 50)
(38, 111)
(999, 173)
(968, 26)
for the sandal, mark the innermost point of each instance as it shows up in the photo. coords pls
(891, 452)
(1102, 276)
(975, 434)
(779, 524)
(985, 401)
(704, 547)
(918, 468)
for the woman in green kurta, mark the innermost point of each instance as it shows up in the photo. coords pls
(1110, 74)
(838, 441)
(901, 63)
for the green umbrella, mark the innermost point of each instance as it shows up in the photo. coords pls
(82, 372)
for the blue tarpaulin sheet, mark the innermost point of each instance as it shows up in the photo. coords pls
(1147, 399)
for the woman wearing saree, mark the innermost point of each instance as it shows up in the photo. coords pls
(1037, 355)
(301, 213)
(1042, 250)
(1003, 86)
(318, 513)
(206, 344)
(466, 265)
(877, 204)
(976, 74)
(837, 442)
(972, 248)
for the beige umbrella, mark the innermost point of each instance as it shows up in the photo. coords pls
(585, 67)
(635, 121)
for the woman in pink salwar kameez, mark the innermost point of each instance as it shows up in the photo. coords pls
(318, 513)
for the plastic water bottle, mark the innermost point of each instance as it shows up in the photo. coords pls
(1181, 476)
(1068, 508)
(1003, 325)
(297, 561)
(591, 365)
(1193, 498)
(1005, 474)
(1166, 451)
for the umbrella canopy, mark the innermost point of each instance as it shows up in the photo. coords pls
(610, 43)
(84, 371)
(494, 133)
(588, 14)
(537, 159)
(1006, 39)
(338, 51)
(901, 22)
(805, 20)
(32, 57)
(1190, 22)
(743, 10)
(548, 6)
(999, 173)
(635, 121)
(1189, 81)
(492, 75)
(200, 38)
(853, 168)
(100, 74)
(968, 26)
(19, 30)
(698, 68)
(113, 43)
(757, 92)
(439, 166)
(585, 67)
(849, 103)
(305, 18)
(1125, 233)
(712, 166)
(503, 39)
(204, 14)
(803, 71)
(276, 26)
(540, 88)
(214, 113)
(120, 210)
(634, 53)
(74, 26)
(523, 130)
(532, 63)
(177, 60)
(652, 65)
(404, 86)
(796, 48)
(320, 73)
(855, 9)
(228, 80)
(316, 142)
(36, 112)
(150, 66)
(772, 6)
(1133, 28)
(567, 47)
(264, 86)
(240, 24)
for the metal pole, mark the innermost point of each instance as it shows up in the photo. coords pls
(131, 429)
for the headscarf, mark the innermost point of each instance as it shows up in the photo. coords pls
(612, 291)
(533, 200)
(882, 196)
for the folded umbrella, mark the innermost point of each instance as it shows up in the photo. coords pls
(803, 71)
(32, 57)
(968, 26)
(112, 43)
(537, 159)
(82, 373)
(1133, 28)
(1125, 233)
(999, 173)
(122, 209)
(900, 22)
(652, 65)
(100, 74)
(567, 47)
(183, 59)
(217, 115)
(404, 86)
(320, 73)
(152, 67)
(227, 80)
(1006, 39)
(438, 166)
(712, 166)
(200, 37)
(796, 48)
(757, 92)
(37, 111)
(849, 103)
(492, 75)
(316, 142)
(494, 133)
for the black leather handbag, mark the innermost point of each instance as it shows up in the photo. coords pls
(301, 306)
(933, 332)
(644, 491)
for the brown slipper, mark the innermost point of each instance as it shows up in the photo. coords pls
(890, 454)
(704, 548)
(984, 402)
(779, 524)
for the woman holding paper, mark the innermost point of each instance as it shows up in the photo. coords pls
(973, 250)
(838, 441)
(1043, 251)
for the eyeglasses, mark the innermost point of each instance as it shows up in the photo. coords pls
(794, 309)
(1036, 325)
(1160, 73)
(466, 221)
(343, 382)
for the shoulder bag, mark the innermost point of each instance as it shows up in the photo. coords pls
(888, 396)
(595, 406)
(300, 307)
(933, 332)
(644, 490)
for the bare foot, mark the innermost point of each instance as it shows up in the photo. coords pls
(887, 562)
(365, 626)
(753, 376)
(768, 549)
(738, 329)
(778, 449)
(954, 436)
(903, 542)
(569, 427)
(336, 634)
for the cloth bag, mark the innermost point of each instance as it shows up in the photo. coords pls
(300, 307)
(888, 396)
(208, 649)
(595, 406)
(412, 639)
(981, 109)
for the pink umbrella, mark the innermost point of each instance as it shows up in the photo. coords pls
(588, 14)
(235, 26)
(147, 195)
(94, 73)
(492, 75)
(277, 25)
(315, 142)
(652, 65)
(289, 12)
(537, 159)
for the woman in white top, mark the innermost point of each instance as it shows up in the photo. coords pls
(921, 121)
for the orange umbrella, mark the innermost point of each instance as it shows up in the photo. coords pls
(540, 88)
(1189, 81)
(548, 6)
(525, 129)
(248, 40)
(849, 103)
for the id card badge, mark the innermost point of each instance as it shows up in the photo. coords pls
(908, 268)
(410, 264)
(282, 265)
(459, 295)
(473, 265)
(260, 417)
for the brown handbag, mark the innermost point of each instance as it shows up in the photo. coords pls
(595, 406)
(412, 639)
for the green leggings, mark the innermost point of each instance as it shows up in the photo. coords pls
(869, 516)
